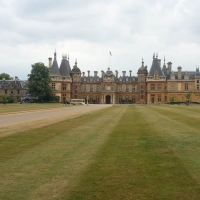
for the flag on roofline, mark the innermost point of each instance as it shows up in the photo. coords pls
(110, 54)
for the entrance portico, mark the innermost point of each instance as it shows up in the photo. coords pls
(108, 99)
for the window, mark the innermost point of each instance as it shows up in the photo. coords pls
(127, 99)
(5, 91)
(172, 77)
(186, 86)
(126, 79)
(159, 97)
(75, 78)
(108, 87)
(172, 87)
(11, 92)
(133, 88)
(197, 87)
(53, 86)
(186, 77)
(165, 98)
(159, 86)
(127, 88)
(97, 87)
(142, 96)
(64, 86)
(91, 88)
(197, 81)
(152, 86)
(120, 87)
(141, 86)
(84, 87)
(18, 91)
(97, 99)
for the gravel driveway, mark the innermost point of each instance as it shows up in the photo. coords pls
(72, 111)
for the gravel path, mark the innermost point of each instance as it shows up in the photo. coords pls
(18, 118)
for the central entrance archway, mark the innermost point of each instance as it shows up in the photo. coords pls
(108, 99)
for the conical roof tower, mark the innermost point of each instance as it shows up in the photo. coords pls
(65, 68)
(54, 71)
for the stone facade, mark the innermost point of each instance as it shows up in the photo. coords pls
(14, 88)
(156, 86)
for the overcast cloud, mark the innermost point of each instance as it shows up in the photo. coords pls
(31, 30)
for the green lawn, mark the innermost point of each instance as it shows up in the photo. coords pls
(16, 107)
(123, 152)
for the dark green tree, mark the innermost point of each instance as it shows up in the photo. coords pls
(4, 75)
(39, 81)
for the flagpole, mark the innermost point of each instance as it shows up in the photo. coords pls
(109, 60)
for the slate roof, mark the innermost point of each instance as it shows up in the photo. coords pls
(76, 69)
(65, 68)
(155, 67)
(54, 71)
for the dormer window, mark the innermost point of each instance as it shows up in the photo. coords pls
(172, 77)
(126, 79)
(156, 75)
(186, 77)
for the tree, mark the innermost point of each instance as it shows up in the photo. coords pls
(187, 97)
(4, 75)
(39, 81)
(5, 99)
(172, 99)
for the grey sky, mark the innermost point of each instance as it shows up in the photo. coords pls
(31, 30)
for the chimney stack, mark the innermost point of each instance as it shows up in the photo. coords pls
(130, 72)
(179, 72)
(169, 68)
(124, 73)
(88, 73)
(83, 73)
(50, 62)
(116, 73)
(95, 73)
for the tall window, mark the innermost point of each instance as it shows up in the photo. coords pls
(172, 87)
(159, 97)
(53, 86)
(159, 86)
(133, 88)
(91, 88)
(127, 88)
(64, 86)
(127, 99)
(97, 87)
(152, 86)
(84, 87)
(120, 88)
(5, 91)
(186, 86)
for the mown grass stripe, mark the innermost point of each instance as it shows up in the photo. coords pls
(137, 163)
(53, 157)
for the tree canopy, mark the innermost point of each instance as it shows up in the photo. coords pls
(39, 81)
(4, 75)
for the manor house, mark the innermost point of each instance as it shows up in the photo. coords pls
(157, 85)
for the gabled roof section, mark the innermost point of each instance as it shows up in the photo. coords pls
(65, 68)
(155, 67)
(54, 71)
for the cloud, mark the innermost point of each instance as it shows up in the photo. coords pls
(89, 29)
